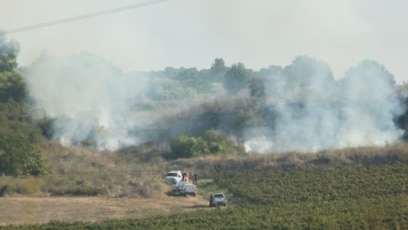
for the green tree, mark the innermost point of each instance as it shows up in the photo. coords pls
(17, 132)
(182, 147)
(191, 78)
(12, 87)
(8, 53)
(305, 72)
(270, 72)
(187, 77)
(19, 157)
(212, 142)
(218, 70)
(11, 82)
(236, 78)
(187, 147)
(15, 119)
(218, 143)
(257, 88)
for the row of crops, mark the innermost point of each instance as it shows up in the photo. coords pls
(317, 184)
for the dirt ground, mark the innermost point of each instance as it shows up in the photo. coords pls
(36, 210)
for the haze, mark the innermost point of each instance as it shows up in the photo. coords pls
(191, 33)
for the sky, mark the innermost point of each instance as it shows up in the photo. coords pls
(192, 33)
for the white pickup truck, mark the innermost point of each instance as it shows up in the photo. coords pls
(173, 177)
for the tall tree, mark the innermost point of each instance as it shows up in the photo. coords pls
(12, 86)
(11, 82)
(257, 88)
(236, 78)
(17, 154)
(218, 70)
(305, 72)
(8, 53)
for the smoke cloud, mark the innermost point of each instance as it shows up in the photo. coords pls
(92, 101)
(313, 111)
(89, 98)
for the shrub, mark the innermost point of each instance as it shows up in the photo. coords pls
(19, 157)
(211, 143)
(21, 185)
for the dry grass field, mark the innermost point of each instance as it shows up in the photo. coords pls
(36, 210)
(63, 194)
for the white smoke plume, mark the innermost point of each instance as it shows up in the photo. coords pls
(305, 108)
(313, 111)
(89, 97)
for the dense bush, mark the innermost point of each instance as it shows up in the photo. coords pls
(21, 185)
(19, 157)
(15, 120)
(211, 143)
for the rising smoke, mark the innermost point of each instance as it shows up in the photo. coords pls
(89, 98)
(313, 111)
(305, 108)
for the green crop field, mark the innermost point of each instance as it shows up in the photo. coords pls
(342, 197)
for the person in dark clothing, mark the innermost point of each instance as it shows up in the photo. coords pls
(195, 179)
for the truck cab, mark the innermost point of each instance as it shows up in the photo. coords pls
(173, 176)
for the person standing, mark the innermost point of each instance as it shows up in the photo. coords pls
(195, 179)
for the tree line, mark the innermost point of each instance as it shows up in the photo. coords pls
(20, 133)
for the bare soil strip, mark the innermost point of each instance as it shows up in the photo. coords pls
(37, 210)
